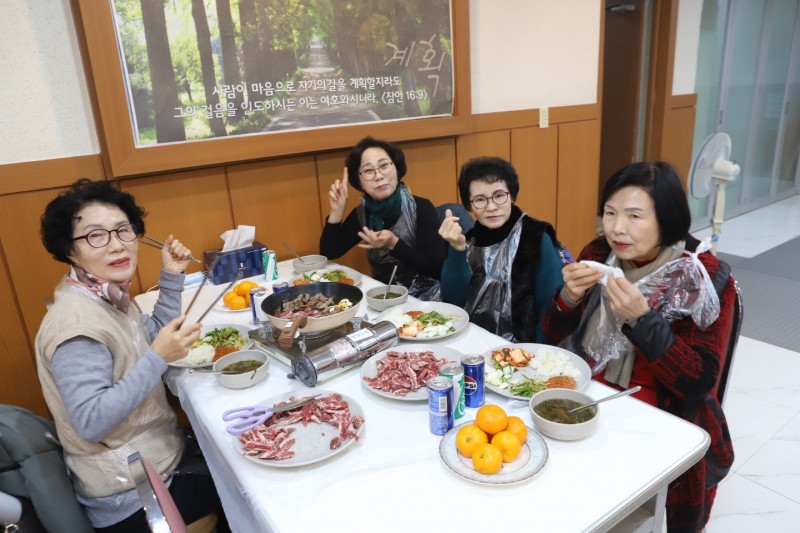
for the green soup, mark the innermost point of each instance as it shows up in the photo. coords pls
(240, 367)
(555, 410)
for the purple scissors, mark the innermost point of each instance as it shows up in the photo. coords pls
(254, 416)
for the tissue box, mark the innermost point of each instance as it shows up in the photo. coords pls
(248, 261)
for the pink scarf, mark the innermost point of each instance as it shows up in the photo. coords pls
(114, 293)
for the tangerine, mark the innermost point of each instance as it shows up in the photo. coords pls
(469, 437)
(244, 287)
(487, 459)
(491, 418)
(508, 444)
(228, 297)
(238, 302)
(518, 428)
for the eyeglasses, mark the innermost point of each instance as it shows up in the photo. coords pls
(97, 238)
(498, 198)
(369, 174)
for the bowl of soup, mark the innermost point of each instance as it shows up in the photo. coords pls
(242, 369)
(550, 414)
(380, 300)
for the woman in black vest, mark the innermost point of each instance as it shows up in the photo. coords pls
(505, 270)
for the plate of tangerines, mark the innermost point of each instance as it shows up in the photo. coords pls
(494, 449)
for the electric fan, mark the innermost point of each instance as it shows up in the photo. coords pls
(712, 167)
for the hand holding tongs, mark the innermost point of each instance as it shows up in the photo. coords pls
(254, 416)
(155, 243)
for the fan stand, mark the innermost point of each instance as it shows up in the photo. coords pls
(724, 172)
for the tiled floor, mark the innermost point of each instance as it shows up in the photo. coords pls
(762, 493)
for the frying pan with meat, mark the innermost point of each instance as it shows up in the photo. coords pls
(337, 291)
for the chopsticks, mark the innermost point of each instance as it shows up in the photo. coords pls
(206, 274)
(155, 243)
(236, 278)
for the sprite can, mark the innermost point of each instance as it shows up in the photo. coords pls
(270, 261)
(455, 372)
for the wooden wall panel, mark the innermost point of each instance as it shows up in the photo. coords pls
(34, 273)
(280, 198)
(432, 171)
(193, 206)
(534, 153)
(578, 163)
(49, 173)
(494, 143)
(678, 139)
(18, 382)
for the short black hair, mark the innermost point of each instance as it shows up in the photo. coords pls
(353, 159)
(58, 220)
(489, 170)
(662, 183)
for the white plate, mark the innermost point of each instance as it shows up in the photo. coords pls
(243, 331)
(461, 321)
(222, 308)
(531, 460)
(352, 274)
(585, 374)
(370, 369)
(312, 442)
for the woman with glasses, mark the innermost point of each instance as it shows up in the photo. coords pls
(395, 227)
(100, 361)
(661, 322)
(505, 270)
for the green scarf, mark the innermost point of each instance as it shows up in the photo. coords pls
(380, 211)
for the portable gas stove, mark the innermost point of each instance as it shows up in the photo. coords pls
(267, 338)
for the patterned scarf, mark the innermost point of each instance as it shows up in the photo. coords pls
(114, 293)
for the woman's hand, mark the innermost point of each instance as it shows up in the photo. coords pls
(579, 278)
(174, 256)
(337, 197)
(626, 300)
(451, 231)
(378, 239)
(173, 341)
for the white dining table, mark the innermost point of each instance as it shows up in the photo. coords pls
(393, 479)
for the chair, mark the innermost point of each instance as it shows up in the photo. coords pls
(730, 349)
(159, 507)
(465, 220)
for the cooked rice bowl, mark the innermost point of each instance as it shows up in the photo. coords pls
(200, 354)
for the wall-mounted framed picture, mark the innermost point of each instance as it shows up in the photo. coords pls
(189, 83)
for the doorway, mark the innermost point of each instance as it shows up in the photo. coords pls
(626, 52)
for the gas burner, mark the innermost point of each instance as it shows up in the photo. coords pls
(267, 338)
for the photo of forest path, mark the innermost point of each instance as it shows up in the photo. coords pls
(320, 67)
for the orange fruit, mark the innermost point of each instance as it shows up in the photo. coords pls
(244, 287)
(518, 428)
(237, 303)
(469, 437)
(487, 459)
(508, 444)
(491, 418)
(228, 297)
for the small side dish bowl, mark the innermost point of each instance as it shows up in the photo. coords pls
(310, 263)
(559, 430)
(375, 297)
(244, 379)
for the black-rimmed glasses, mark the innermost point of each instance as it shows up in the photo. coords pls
(369, 174)
(97, 238)
(498, 198)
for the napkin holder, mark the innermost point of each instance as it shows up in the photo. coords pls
(248, 261)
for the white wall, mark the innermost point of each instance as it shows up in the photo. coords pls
(687, 39)
(534, 53)
(46, 111)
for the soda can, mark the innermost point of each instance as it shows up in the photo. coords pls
(270, 261)
(279, 286)
(474, 394)
(257, 296)
(455, 372)
(440, 405)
